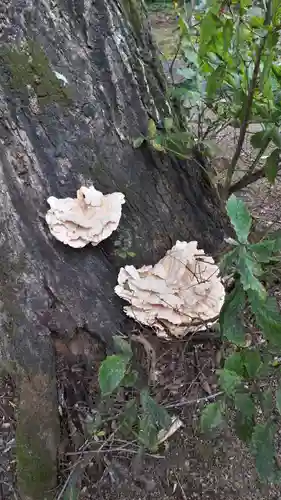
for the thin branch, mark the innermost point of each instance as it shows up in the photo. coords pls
(195, 401)
(244, 125)
(246, 180)
(171, 67)
(250, 176)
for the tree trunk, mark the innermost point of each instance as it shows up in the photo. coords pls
(54, 137)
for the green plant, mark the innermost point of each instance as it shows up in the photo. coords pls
(231, 76)
(250, 378)
(140, 415)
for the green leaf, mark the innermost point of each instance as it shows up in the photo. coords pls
(267, 317)
(267, 402)
(244, 427)
(128, 418)
(235, 363)
(252, 361)
(211, 416)
(240, 217)
(265, 250)
(278, 400)
(276, 137)
(227, 35)
(214, 81)
(262, 447)
(244, 421)
(111, 373)
(153, 419)
(151, 129)
(271, 166)
(187, 73)
(245, 404)
(229, 381)
(248, 269)
(231, 317)
(130, 379)
(260, 140)
(131, 254)
(122, 346)
(137, 142)
(208, 29)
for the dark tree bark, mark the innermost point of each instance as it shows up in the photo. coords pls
(55, 137)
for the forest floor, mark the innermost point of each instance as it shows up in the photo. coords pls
(189, 466)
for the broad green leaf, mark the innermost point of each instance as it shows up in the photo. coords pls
(208, 29)
(122, 346)
(131, 254)
(128, 418)
(240, 217)
(252, 361)
(153, 418)
(235, 363)
(227, 34)
(245, 404)
(243, 427)
(249, 269)
(187, 73)
(276, 137)
(262, 447)
(137, 142)
(229, 381)
(271, 166)
(245, 416)
(259, 140)
(278, 400)
(265, 250)
(231, 317)
(130, 379)
(267, 316)
(267, 402)
(211, 416)
(214, 81)
(151, 129)
(111, 373)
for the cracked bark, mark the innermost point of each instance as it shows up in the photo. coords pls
(105, 51)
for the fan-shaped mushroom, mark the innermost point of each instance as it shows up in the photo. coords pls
(181, 293)
(89, 218)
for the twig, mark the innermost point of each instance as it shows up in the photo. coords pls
(246, 180)
(92, 453)
(250, 177)
(181, 488)
(195, 401)
(171, 67)
(80, 464)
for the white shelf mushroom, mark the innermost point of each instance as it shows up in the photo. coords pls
(90, 218)
(181, 293)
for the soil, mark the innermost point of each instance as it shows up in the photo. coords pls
(189, 466)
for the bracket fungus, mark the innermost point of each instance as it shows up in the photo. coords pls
(182, 293)
(90, 218)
